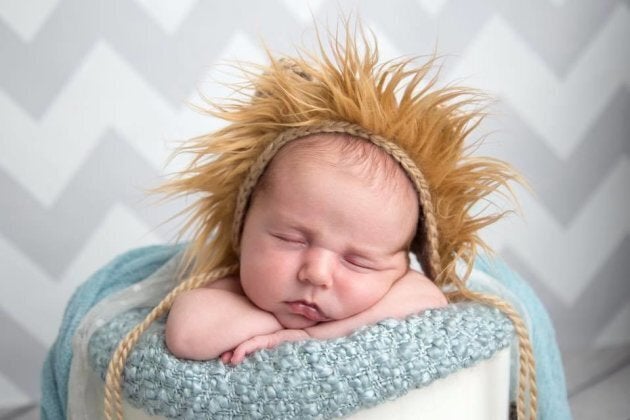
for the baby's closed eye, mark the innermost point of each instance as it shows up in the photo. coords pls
(289, 239)
(360, 263)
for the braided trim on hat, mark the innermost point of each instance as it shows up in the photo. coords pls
(429, 257)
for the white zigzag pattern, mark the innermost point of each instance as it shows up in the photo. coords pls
(617, 332)
(41, 312)
(560, 110)
(168, 14)
(304, 10)
(566, 259)
(24, 17)
(433, 7)
(105, 92)
(10, 395)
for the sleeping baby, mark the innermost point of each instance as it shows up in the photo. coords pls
(324, 250)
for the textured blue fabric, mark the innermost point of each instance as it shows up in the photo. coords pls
(553, 403)
(123, 271)
(309, 379)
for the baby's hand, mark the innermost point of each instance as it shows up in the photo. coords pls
(260, 342)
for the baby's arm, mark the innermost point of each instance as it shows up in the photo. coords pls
(412, 294)
(201, 324)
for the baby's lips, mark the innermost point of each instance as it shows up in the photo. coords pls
(308, 311)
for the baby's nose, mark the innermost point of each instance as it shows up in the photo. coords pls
(317, 267)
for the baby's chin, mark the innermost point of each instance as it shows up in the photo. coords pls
(294, 321)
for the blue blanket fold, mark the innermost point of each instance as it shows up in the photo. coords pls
(138, 264)
(123, 271)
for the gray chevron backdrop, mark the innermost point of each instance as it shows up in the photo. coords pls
(95, 95)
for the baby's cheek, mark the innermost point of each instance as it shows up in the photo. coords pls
(265, 258)
(281, 261)
(362, 294)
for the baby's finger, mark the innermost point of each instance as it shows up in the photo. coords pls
(226, 356)
(239, 353)
(248, 347)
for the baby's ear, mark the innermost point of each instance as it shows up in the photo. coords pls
(283, 66)
(292, 66)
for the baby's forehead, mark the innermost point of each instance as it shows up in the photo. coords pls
(361, 157)
(336, 149)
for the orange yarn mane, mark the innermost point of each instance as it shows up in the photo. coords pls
(397, 100)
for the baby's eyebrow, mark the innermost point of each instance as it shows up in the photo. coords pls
(367, 253)
(283, 220)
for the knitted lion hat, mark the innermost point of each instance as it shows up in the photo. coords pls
(342, 89)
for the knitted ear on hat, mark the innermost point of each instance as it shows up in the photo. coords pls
(396, 101)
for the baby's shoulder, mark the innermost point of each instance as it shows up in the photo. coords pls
(418, 278)
(427, 288)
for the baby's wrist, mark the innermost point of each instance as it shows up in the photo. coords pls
(293, 335)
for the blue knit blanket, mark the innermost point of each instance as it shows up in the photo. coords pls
(136, 265)
(304, 380)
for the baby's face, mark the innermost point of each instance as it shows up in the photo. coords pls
(321, 242)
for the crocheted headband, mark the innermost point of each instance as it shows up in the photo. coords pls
(396, 106)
